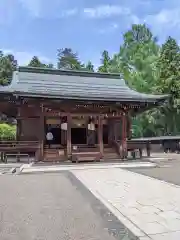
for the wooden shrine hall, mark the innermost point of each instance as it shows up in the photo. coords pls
(87, 114)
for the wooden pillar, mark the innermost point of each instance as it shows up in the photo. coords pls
(18, 124)
(148, 149)
(100, 135)
(63, 131)
(69, 120)
(129, 127)
(40, 154)
(18, 129)
(42, 136)
(114, 130)
(110, 132)
(90, 138)
(124, 136)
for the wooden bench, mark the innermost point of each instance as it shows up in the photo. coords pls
(17, 155)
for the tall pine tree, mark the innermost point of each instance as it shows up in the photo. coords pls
(169, 83)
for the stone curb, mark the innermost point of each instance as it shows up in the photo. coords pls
(25, 166)
(28, 168)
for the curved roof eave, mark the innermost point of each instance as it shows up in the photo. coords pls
(60, 84)
(152, 99)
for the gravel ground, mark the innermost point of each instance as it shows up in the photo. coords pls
(50, 206)
(167, 171)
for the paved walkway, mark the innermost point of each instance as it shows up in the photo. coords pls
(149, 207)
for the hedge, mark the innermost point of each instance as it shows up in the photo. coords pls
(7, 132)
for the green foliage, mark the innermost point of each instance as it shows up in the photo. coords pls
(8, 64)
(7, 132)
(35, 62)
(105, 62)
(137, 59)
(169, 83)
(149, 68)
(89, 67)
(68, 60)
(169, 69)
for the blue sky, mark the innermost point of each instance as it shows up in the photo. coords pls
(40, 27)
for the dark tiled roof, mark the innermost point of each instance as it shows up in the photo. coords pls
(74, 85)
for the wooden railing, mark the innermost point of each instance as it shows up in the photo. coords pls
(18, 148)
(117, 146)
(19, 145)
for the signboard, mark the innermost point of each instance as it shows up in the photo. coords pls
(53, 121)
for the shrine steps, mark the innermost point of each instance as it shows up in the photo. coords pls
(54, 155)
(110, 153)
(86, 155)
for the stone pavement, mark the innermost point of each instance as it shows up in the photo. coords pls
(150, 208)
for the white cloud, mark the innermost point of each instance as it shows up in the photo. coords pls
(104, 11)
(9, 9)
(166, 16)
(164, 23)
(24, 58)
(69, 12)
(133, 19)
(109, 29)
(47, 8)
(115, 26)
(33, 6)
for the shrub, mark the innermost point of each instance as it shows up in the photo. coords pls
(7, 132)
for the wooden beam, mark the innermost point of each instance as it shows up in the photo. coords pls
(64, 114)
(26, 117)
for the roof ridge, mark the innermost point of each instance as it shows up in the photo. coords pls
(67, 72)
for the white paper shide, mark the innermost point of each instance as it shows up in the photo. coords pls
(91, 126)
(64, 126)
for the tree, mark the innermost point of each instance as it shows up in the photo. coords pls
(35, 62)
(169, 83)
(136, 60)
(138, 34)
(105, 62)
(8, 64)
(68, 60)
(89, 67)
